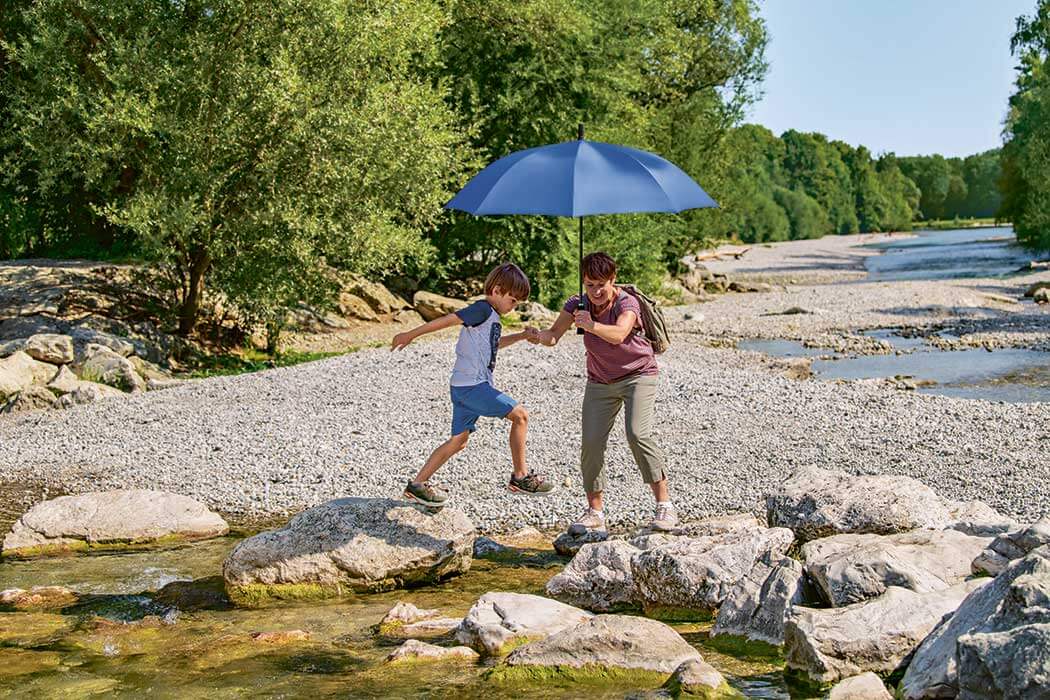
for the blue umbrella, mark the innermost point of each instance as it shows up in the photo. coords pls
(580, 178)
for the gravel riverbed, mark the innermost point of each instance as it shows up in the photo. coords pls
(265, 445)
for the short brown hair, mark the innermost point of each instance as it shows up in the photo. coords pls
(510, 279)
(599, 267)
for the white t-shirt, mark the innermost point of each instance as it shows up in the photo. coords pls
(477, 345)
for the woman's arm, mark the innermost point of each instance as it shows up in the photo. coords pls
(552, 335)
(615, 334)
(402, 339)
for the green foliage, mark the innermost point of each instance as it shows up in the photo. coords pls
(245, 145)
(806, 217)
(1025, 180)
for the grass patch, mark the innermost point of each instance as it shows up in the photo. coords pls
(673, 613)
(948, 224)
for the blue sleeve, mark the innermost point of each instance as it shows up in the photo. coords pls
(476, 313)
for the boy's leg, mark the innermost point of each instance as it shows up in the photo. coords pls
(519, 431)
(442, 454)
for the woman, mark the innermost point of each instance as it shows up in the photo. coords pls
(621, 371)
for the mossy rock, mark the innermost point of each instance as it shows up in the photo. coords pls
(258, 595)
(588, 674)
(70, 547)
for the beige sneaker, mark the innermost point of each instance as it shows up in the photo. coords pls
(666, 519)
(590, 520)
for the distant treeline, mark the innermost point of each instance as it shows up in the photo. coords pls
(259, 148)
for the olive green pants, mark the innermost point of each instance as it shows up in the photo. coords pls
(601, 404)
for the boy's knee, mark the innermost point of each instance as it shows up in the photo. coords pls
(458, 442)
(518, 415)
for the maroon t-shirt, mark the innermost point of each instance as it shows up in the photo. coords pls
(608, 363)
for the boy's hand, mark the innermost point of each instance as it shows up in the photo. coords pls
(400, 340)
(583, 320)
(532, 335)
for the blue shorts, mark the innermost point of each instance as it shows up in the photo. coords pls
(471, 402)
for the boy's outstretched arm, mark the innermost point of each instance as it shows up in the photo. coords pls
(402, 339)
(552, 335)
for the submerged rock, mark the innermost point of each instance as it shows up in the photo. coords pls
(498, 622)
(350, 544)
(608, 642)
(110, 519)
(37, 598)
(416, 650)
(698, 679)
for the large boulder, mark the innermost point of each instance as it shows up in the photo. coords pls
(110, 519)
(852, 568)
(350, 544)
(817, 503)
(760, 602)
(32, 398)
(598, 578)
(353, 306)
(431, 306)
(691, 577)
(19, 370)
(990, 625)
(381, 299)
(877, 635)
(608, 642)
(50, 347)
(1011, 546)
(111, 368)
(498, 622)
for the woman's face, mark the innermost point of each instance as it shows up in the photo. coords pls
(599, 292)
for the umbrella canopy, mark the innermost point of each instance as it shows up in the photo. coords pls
(580, 178)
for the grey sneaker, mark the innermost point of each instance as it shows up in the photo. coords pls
(590, 520)
(666, 519)
(532, 484)
(426, 494)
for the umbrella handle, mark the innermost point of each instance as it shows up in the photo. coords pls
(580, 306)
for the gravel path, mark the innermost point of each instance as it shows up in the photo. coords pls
(266, 445)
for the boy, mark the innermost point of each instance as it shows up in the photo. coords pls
(473, 394)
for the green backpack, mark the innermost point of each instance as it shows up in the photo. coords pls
(653, 321)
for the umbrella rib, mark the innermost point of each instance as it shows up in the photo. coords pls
(653, 177)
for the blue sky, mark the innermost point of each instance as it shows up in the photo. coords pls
(908, 76)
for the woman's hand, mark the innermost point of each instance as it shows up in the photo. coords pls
(533, 335)
(583, 320)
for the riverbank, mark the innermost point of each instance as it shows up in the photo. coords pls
(265, 445)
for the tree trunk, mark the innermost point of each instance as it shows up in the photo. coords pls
(200, 261)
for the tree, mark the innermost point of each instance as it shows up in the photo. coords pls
(248, 146)
(815, 166)
(1025, 181)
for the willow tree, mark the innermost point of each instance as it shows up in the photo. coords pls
(251, 146)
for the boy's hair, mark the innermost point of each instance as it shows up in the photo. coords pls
(599, 267)
(510, 279)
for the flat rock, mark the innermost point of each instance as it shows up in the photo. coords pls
(350, 544)
(498, 621)
(698, 573)
(598, 578)
(404, 613)
(852, 568)
(817, 503)
(760, 602)
(609, 642)
(417, 650)
(134, 516)
(1015, 600)
(568, 544)
(877, 635)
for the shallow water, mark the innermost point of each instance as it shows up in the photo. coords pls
(121, 642)
(958, 253)
(1011, 375)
